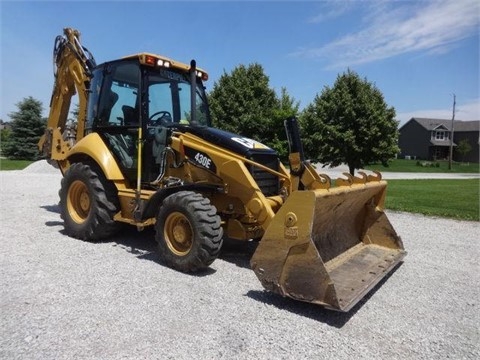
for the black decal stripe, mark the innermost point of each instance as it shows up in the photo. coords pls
(193, 155)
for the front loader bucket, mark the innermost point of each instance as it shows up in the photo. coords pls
(329, 246)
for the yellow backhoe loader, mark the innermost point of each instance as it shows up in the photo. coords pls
(143, 153)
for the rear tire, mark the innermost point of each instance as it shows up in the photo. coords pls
(88, 203)
(188, 232)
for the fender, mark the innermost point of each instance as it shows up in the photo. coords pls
(152, 205)
(93, 146)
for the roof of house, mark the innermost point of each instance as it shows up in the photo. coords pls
(441, 143)
(458, 125)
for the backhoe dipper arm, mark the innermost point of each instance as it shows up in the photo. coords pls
(73, 65)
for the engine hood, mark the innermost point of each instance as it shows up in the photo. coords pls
(227, 140)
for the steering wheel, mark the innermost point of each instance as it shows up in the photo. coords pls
(164, 118)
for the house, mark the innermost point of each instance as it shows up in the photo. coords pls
(429, 139)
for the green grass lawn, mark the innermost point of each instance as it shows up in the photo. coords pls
(401, 165)
(458, 199)
(6, 164)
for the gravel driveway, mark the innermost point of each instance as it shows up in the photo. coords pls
(63, 298)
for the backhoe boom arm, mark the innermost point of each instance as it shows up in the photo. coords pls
(73, 66)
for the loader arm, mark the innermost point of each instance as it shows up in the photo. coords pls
(72, 70)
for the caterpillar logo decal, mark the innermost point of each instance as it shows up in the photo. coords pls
(249, 143)
(200, 158)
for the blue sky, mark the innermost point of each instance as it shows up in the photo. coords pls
(418, 53)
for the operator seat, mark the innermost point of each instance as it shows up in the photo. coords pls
(130, 115)
(111, 100)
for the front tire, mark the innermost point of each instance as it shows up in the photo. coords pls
(188, 232)
(88, 203)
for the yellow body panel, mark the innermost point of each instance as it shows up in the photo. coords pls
(93, 146)
(236, 179)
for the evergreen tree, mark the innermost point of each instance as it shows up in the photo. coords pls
(350, 123)
(27, 128)
(4, 136)
(242, 102)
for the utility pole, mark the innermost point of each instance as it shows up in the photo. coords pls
(451, 135)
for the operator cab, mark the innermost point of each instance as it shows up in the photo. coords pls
(148, 93)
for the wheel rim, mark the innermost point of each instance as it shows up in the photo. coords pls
(178, 234)
(78, 201)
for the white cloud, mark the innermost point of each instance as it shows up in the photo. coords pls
(331, 10)
(469, 110)
(394, 28)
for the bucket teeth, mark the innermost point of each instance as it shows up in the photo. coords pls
(376, 177)
(345, 182)
(362, 179)
(326, 180)
(349, 180)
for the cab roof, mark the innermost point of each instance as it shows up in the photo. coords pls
(165, 62)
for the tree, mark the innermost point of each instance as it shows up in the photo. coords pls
(463, 148)
(75, 112)
(243, 103)
(4, 139)
(4, 135)
(27, 128)
(350, 123)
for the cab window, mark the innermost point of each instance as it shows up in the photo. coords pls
(119, 100)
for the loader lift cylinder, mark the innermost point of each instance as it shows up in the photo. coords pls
(296, 156)
(293, 135)
(193, 92)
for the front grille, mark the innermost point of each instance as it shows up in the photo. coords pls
(267, 182)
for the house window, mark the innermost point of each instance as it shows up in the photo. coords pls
(440, 135)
